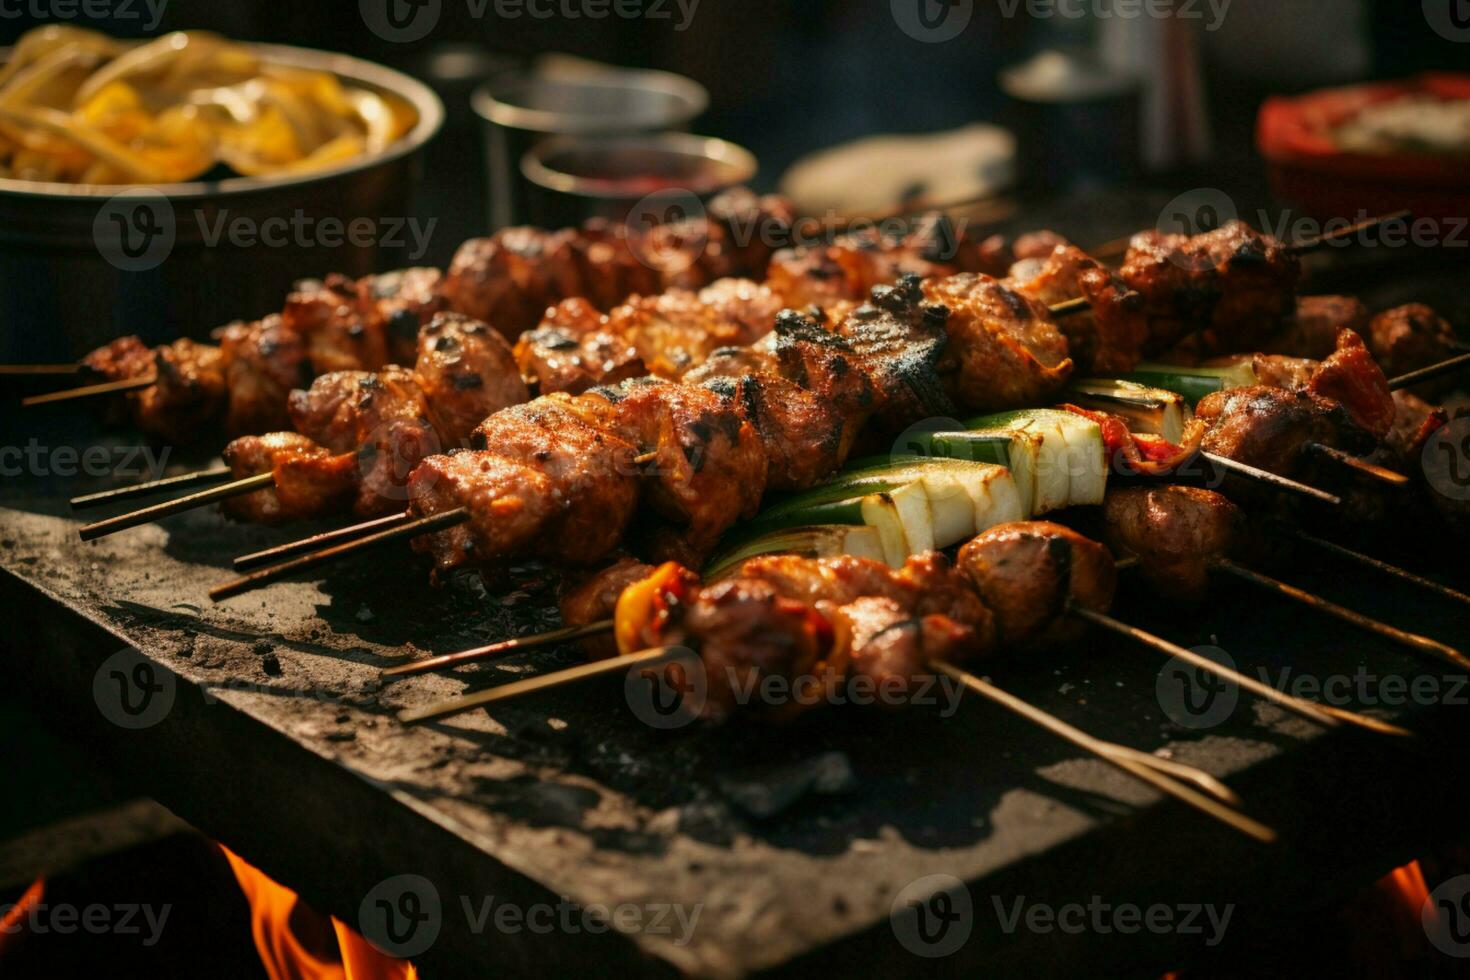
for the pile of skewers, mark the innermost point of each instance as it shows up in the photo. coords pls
(664, 423)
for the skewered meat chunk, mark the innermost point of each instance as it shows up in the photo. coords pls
(676, 330)
(849, 268)
(1270, 427)
(1177, 533)
(547, 483)
(596, 599)
(1415, 420)
(1312, 332)
(405, 302)
(509, 279)
(1029, 573)
(804, 437)
(1352, 378)
(709, 469)
(264, 363)
(1232, 286)
(310, 480)
(899, 342)
(340, 333)
(893, 647)
(466, 372)
(188, 396)
(382, 417)
(1109, 336)
(752, 226)
(572, 350)
(1009, 349)
(1410, 337)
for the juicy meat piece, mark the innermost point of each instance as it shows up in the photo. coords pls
(341, 330)
(550, 485)
(404, 301)
(1415, 420)
(1107, 337)
(382, 417)
(709, 470)
(833, 580)
(1029, 573)
(1176, 532)
(596, 599)
(893, 648)
(509, 279)
(310, 480)
(1351, 377)
(735, 362)
(1277, 370)
(1232, 286)
(187, 398)
(1312, 332)
(900, 343)
(676, 330)
(849, 267)
(1406, 338)
(466, 372)
(1009, 349)
(823, 363)
(752, 225)
(264, 362)
(1269, 427)
(572, 350)
(805, 439)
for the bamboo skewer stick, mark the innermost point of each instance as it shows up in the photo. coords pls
(144, 489)
(1274, 479)
(448, 660)
(1430, 372)
(90, 391)
(1317, 241)
(274, 573)
(1368, 561)
(38, 370)
(316, 542)
(1360, 466)
(90, 532)
(1422, 645)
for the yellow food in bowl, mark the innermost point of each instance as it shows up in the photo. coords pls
(77, 106)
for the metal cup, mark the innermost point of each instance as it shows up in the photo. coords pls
(520, 109)
(629, 179)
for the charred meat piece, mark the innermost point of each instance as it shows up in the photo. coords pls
(1009, 349)
(1312, 331)
(547, 484)
(572, 350)
(264, 363)
(341, 331)
(467, 372)
(188, 396)
(893, 648)
(1110, 335)
(899, 342)
(509, 279)
(404, 301)
(310, 480)
(805, 439)
(676, 330)
(753, 227)
(1029, 574)
(1232, 287)
(1176, 532)
(1271, 427)
(1415, 420)
(1410, 337)
(1352, 378)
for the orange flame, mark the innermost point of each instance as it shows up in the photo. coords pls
(11, 921)
(1402, 893)
(284, 927)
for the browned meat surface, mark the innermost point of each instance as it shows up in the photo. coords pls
(805, 439)
(547, 484)
(1270, 427)
(188, 398)
(833, 580)
(1029, 573)
(752, 227)
(849, 267)
(1277, 370)
(1109, 336)
(342, 332)
(1406, 338)
(509, 279)
(709, 470)
(264, 362)
(466, 371)
(1176, 532)
(572, 350)
(1312, 332)
(893, 648)
(596, 599)
(1354, 380)
(404, 301)
(1414, 421)
(310, 480)
(900, 343)
(1009, 349)
(382, 417)
(676, 330)
(1231, 287)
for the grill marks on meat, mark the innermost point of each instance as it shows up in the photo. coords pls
(847, 269)
(1008, 348)
(1029, 573)
(1231, 287)
(188, 396)
(1176, 532)
(309, 479)
(264, 362)
(466, 372)
(1110, 335)
(573, 350)
(803, 436)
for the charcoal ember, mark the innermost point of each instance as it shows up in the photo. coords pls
(765, 792)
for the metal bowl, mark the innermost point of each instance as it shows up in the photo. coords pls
(82, 263)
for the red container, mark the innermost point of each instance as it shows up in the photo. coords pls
(1310, 172)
